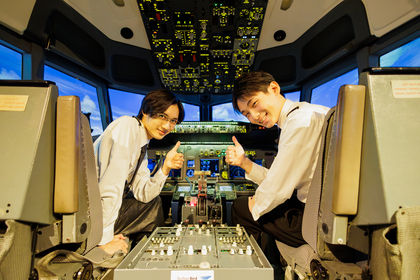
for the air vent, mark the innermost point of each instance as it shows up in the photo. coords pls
(328, 41)
(131, 69)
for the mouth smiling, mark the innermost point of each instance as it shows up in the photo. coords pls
(263, 119)
(162, 132)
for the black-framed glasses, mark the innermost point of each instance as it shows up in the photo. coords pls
(165, 118)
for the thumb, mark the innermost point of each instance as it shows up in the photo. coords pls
(235, 141)
(176, 146)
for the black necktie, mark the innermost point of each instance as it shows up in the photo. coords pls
(142, 154)
(127, 184)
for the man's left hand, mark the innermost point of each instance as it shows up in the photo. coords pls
(174, 160)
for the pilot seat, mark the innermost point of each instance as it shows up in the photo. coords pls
(362, 215)
(50, 205)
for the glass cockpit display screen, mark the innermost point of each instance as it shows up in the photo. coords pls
(225, 188)
(211, 165)
(236, 172)
(184, 189)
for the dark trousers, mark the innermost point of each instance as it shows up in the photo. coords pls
(284, 222)
(137, 219)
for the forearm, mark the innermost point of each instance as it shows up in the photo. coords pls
(247, 165)
(145, 188)
(166, 170)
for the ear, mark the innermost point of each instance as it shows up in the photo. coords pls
(275, 87)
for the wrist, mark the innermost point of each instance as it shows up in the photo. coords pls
(247, 165)
(166, 170)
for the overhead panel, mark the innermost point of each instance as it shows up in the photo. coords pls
(202, 46)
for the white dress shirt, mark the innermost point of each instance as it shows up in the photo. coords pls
(294, 165)
(117, 152)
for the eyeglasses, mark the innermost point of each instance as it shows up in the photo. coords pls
(165, 118)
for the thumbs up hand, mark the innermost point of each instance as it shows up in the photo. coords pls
(174, 160)
(235, 155)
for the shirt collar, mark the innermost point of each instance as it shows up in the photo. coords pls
(288, 105)
(144, 140)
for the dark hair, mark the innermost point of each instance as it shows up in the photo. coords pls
(249, 84)
(158, 101)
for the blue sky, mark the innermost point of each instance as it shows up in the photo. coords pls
(128, 104)
(225, 112)
(68, 85)
(407, 55)
(10, 64)
(326, 94)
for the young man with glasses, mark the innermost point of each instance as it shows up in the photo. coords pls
(130, 196)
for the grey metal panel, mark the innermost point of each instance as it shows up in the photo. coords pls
(390, 168)
(27, 148)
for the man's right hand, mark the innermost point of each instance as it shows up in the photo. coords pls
(235, 155)
(117, 243)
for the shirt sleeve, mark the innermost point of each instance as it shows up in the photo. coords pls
(144, 187)
(258, 174)
(293, 166)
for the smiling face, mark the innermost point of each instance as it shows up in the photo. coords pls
(158, 128)
(263, 108)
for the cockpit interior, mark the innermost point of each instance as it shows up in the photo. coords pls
(70, 68)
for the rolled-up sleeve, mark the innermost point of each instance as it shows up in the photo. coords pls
(294, 164)
(145, 188)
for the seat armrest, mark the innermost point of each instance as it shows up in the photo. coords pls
(66, 193)
(348, 149)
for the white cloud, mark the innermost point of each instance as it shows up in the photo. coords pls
(8, 75)
(88, 105)
(221, 113)
(95, 118)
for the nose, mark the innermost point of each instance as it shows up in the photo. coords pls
(167, 125)
(254, 115)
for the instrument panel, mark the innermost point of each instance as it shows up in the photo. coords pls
(196, 252)
(202, 46)
(208, 157)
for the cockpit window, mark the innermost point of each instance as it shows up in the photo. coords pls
(68, 85)
(327, 93)
(294, 96)
(192, 112)
(225, 112)
(10, 64)
(407, 55)
(124, 103)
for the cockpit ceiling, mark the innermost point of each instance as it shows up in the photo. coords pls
(200, 47)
